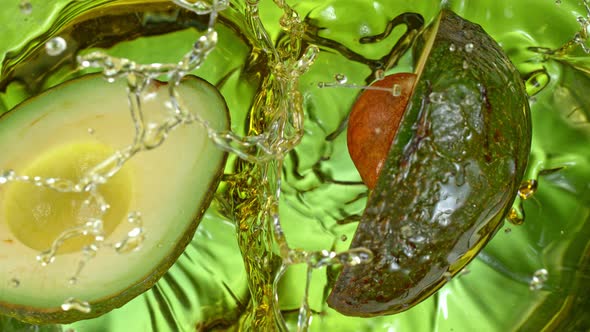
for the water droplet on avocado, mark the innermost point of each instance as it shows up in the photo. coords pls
(396, 90)
(452, 48)
(75, 304)
(468, 48)
(436, 97)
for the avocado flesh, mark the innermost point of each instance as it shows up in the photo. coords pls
(171, 186)
(37, 216)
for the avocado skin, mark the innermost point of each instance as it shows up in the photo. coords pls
(451, 175)
(36, 315)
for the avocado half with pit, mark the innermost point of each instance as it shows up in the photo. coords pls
(450, 176)
(62, 133)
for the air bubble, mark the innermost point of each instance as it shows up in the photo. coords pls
(25, 7)
(55, 46)
(343, 237)
(538, 280)
(75, 304)
(469, 47)
(91, 131)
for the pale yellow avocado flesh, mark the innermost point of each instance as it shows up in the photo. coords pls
(62, 133)
(37, 215)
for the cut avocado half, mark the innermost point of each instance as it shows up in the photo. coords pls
(63, 132)
(451, 175)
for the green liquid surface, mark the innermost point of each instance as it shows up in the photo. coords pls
(529, 277)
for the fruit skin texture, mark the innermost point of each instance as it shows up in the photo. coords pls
(373, 122)
(451, 176)
(55, 315)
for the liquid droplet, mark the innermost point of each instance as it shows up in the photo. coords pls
(75, 304)
(538, 280)
(436, 97)
(558, 2)
(452, 48)
(536, 81)
(135, 236)
(344, 237)
(508, 230)
(527, 189)
(465, 65)
(55, 46)
(340, 78)
(469, 47)
(7, 176)
(14, 283)
(515, 217)
(91, 131)
(379, 74)
(396, 90)
(25, 7)
(46, 257)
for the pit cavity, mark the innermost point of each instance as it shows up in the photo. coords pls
(37, 215)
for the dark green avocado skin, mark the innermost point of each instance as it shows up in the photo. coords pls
(451, 175)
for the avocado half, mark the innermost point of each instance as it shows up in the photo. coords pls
(63, 132)
(451, 175)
